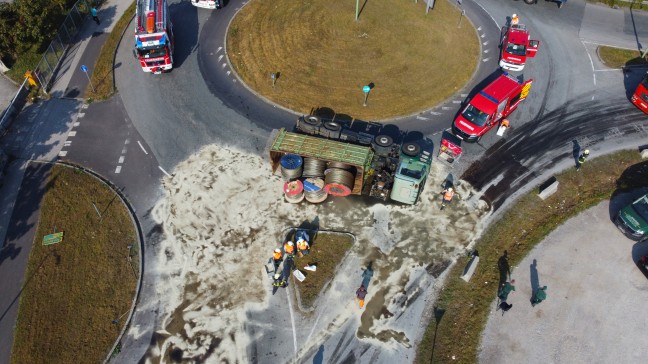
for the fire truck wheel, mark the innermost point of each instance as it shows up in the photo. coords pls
(411, 149)
(332, 125)
(383, 141)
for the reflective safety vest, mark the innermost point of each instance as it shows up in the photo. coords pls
(505, 123)
(582, 158)
(276, 256)
(302, 245)
(289, 249)
(279, 283)
(448, 195)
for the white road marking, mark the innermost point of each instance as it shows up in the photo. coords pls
(233, 79)
(435, 113)
(72, 133)
(605, 44)
(62, 153)
(445, 108)
(314, 325)
(456, 101)
(591, 62)
(220, 57)
(81, 114)
(489, 14)
(292, 321)
(483, 35)
(219, 49)
(84, 106)
(143, 150)
(121, 160)
(479, 28)
(118, 169)
(123, 150)
(464, 95)
(485, 59)
(76, 123)
(421, 117)
(127, 141)
(485, 43)
(165, 172)
(67, 143)
(228, 72)
(610, 69)
(223, 65)
(486, 51)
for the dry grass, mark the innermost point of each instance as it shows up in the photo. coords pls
(102, 72)
(75, 289)
(327, 250)
(618, 57)
(324, 57)
(467, 306)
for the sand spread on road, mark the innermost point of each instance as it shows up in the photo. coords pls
(223, 213)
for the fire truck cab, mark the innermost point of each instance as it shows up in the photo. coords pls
(490, 105)
(208, 4)
(640, 96)
(516, 47)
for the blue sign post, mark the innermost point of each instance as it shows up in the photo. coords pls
(84, 69)
(274, 77)
(366, 90)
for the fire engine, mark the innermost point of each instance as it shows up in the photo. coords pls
(208, 4)
(488, 107)
(516, 46)
(640, 96)
(153, 36)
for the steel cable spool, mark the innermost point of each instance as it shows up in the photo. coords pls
(313, 167)
(339, 165)
(291, 166)
(294, 191)
(339, 182)
(314, 190)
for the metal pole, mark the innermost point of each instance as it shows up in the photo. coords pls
(93, 90)
(357, 9)
(463, 12)
(365, 100)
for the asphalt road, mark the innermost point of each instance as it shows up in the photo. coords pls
(202, 102)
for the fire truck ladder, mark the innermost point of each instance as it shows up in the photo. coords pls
(151, 16)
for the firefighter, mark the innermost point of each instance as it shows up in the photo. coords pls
(289, 248)
(277, 257)
(278, 280)
(448, 194)
(361, 293)
(581, 159)
(515, 20)
(303, 247)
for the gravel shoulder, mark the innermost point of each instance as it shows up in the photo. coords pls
(595, 306)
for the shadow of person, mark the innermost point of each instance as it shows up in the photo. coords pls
(535, 282)
(576, 148)
(504, 269)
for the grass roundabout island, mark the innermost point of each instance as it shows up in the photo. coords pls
(77, 292)
(322, 57)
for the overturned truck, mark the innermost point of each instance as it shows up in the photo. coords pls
(327, 157)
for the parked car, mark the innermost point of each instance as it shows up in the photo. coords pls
(632, 220)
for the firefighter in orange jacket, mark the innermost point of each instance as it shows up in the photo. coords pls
(289, 248)
(448, 194)
(277, 257)
(303, 247)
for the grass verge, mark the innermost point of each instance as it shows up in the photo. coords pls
(463, 308)
(618, 57)
(327, 250)
(323, 57)
(102, 73)
(75, 289)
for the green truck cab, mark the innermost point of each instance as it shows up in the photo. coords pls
(632, 220)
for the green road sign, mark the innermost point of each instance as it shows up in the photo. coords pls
(53, 238)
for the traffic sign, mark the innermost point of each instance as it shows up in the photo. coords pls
(366, 89)
(53, 238)
(84, 68)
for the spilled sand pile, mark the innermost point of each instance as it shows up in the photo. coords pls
(224, 212)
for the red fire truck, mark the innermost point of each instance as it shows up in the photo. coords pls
(495, 102)
(153, 36)
(516, 46)
(640, 96)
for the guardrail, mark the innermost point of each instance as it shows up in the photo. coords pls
(15, 106)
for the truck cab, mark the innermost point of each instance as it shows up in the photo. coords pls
(411, 174)
(516, 47)
(640, 96)
(490, 105)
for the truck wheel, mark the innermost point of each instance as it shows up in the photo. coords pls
(530, 2)
(312, 120)
(383, 141)
(411, 149)
(332, 126)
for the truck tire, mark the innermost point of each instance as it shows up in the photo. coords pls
(312, 120)
(332, 125)
(411, 149)
(530, 2)
(383, 141)
(331, 129)
(309, 124)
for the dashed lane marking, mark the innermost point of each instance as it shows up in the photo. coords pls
(464, 95)
(219, 49)
(67, 143)
(224, 65)
(62, 153)
(76, 123)
(485, 43)
(421, 117)
(456, 101)
(228, 72)
(435, 113)
(72, 133)
(121, 160)
(445, 108)
(220, 57)
(483, 35)
(486, 50)
(118, 169)
(485, 59)
(81, 114)
(141, 146)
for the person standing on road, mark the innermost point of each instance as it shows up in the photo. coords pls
(361, 293)
(277, 257)
(303, 247)
(289, 248)
(448, 194)
(539, 296)
(581, 159)
(93, 11)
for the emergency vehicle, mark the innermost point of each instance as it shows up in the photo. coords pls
(208, 4)
(516, 47)
(488, 107)
(640, 96)
(153, 36)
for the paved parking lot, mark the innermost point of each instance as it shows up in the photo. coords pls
(595, 311)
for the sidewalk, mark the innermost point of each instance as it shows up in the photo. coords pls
(39, 133)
